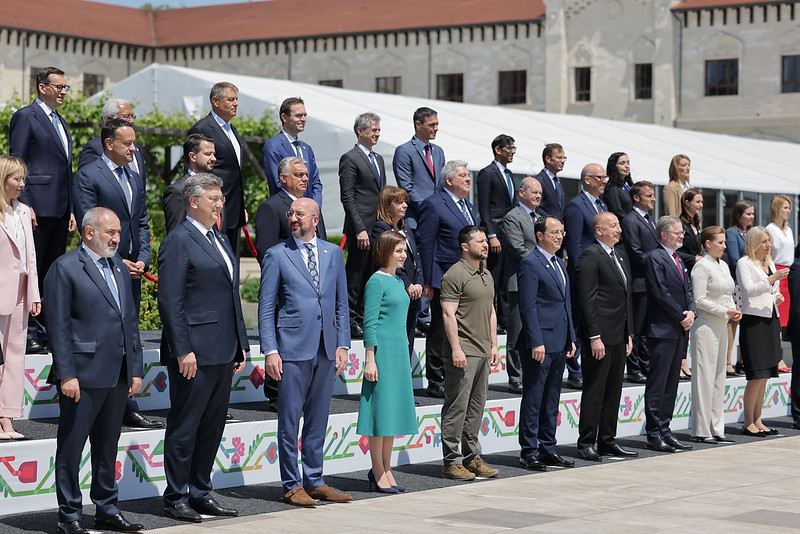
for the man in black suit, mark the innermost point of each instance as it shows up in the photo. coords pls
(115, 108)
(553, 202)
(496, 196)
(639, 237)
(670, 314)
(198, 156)
(229, 153)
(97, 364)
(40, 137)
(361, 176)
(604, 293)
(793, 329)
(204, 342)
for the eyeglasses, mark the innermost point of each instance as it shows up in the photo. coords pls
(131, 116)
(601, 177)
(299, 214)
(215, 199)
(676, 232)
(59, 87)
(556, 233)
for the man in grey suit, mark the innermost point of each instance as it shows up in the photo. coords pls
(519, 240)
(199, 156)
(361, 176)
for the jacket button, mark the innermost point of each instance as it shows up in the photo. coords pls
(319, 317)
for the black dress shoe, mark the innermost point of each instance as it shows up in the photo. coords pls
(137, 420)
(71, 527)
(758, 434)
(723, 439)
(636, 378)
(272, 406)
(589, 454)
(554, 460)
(616, 450)
(675, 444)
(34, 346)
(658, 444)
(532, 464)
(575, 382)
(515, 388)
(212, 507)
(117, 523)
(425, 327)
(501, 331)
(796, 425)
(435, 391)
(183, 512)
(356, 332)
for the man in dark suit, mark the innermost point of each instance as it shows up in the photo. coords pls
(552, 191)
(203, 344)
(793, 329)
(639, 237)
(40, 137)
(670, 314)
(198, 156)
(547, 340)
(304, 291)
(519, 239)
(443, 215)
(286, 144)
(496, 196)
(229, 154)
(361, 176)
(97, 364)
(418, 163)
(604, 293)
(115, 108)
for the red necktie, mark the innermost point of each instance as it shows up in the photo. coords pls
(430, 160)
(678, 264)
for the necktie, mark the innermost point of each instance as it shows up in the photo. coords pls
(678, 264)
(234, 142)
(649, 219)
(213, 240)
(559, 274)
(122, 177)
(616, 262)
(600, 207)
(109, 276)
(464, 211)
(57, 126)
(509, 184)
(297, 150)
(559, 191)
(375, 164)
(429, 160)
(312, 265)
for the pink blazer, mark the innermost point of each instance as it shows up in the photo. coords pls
(10, 262)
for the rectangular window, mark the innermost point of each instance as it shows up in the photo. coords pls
(513, 87)
(450, 87)
(790, 76)
(583, 84)
(388, 84)
(332, 83)
(92, 84)
(722, 77)
(644, 81)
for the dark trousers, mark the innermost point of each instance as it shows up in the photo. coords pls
(602, 389)
(496, 263)
(538, 412)
(513, 364)
(662, 383)
(358, 268)
(639, 360)
(574, 364)
(50, 242)
(411, 325)
(434, 366)
(195, 424)
(795, 387)
(98, 416)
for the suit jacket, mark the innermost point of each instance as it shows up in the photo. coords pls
(618, 199)
(758, 295)
(291, 310)
(668, 296)
(519, 239)
(544, 305)
(437, 233)
(90, 336)
(639, 238)
(411, 271)
(578, 217)
(96, 185)
(794, 301)
(359, 188)
(735, 248)
(11, 260)
(198, 301)
(277, 148)
(604, 295)
(174, 210)
(493, 199)
(33, 138)
(93, 149)
(413, 174)
(552, 202)
(227, 167)
(272, 226)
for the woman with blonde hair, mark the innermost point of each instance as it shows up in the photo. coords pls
(742, 217)
(19, 289)
(678, 183)
(780, 233)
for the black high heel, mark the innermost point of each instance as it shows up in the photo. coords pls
(373, 482)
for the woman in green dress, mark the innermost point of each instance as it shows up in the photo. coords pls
(387, 396)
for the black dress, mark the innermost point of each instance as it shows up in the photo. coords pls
(760, 340)
(691, 246)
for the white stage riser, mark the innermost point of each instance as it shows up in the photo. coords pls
(248, 452)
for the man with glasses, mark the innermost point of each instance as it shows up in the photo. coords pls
(39, 136)
(115, 108)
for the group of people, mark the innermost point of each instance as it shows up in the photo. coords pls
(594, 275)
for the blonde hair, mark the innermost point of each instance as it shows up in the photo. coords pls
(775, 206)
(8, 166)
(674, 175)
(751, 243)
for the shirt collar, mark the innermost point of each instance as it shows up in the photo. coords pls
(547, 255)
(289, 137)
(364, 149)
(472, 270)
(302, 244)
(501, 167)
(44, 107)
(665, 247)
(640, 211)
(591, 196)
(452, 195)
(94, 256)
(197, 224)
(605, 247)
(550, 174)
(219, 120)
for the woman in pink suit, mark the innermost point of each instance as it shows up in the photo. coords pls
(19, 289)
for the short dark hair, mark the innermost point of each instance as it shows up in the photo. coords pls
(502, 141)
(286, 105)
(540, 226)
(550, 149)
(636, 189)
(109, 131)
(43, 76)
(385, 245)
(423, 113)
(219, 89)
(465, 234)
(192, 144)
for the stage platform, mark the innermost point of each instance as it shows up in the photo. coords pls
(248, 452)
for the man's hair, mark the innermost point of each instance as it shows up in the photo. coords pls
(385, 245)
(285, 163)
(43, 76)
(286, 105)
(450, 167)
(192, 144)
(465, 234)
(664, 223)
(197, 184)
(365, 120)
(111, 108)
(92, 218)
(638, 187)
(550, 149)
(502, 141)
(219, 90)
(109, 131)
(540, 226)
(423, 113)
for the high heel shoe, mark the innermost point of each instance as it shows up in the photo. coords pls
(401, 489)
(374, 483)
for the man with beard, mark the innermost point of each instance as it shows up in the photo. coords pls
(198, 156)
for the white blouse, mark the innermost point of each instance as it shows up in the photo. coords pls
(782, 244)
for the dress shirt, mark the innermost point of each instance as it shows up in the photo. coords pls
(549, 258)
(95, 257)
(782, 244)
(593, 199)
(296, 148)
(458, 203)
(646, 215)
(552, 178)
(113, 168)
(14, 223)
(301, 246)
(226, 127)
(61, 133)
(216, 244)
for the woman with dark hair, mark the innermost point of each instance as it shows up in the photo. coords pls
(692, 202)
(742, 218)
(678, 183)
(617, 195)
(387, 396)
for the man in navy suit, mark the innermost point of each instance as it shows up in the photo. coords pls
(287, 143)
(97, 364)
(670, 314)
(203, 344)
(546, 341)
(115, 108)
(40, 137)
(639, 237)
(793, 330)
(304, 291)
(552, 191)
(418, 163)
(443, 215)
(199, 156)
(229, 154)
(361, 177)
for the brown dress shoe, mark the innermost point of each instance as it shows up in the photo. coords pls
(326, 493)
(298, 497)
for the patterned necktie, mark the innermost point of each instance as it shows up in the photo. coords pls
(297, 149)
(312, 265)
(509, 183)
(678, 264)
(109, 276)
(57, 126)
(122, 177)
(619, 266)
(599, 206)
(464, 211)
(375, 164)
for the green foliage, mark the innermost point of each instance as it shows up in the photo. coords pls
(249, 289)
(149, 319)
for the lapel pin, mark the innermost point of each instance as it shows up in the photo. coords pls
(324, 251)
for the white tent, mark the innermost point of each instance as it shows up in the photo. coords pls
(466, 132)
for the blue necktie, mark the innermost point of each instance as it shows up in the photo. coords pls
(559, 273)
(57, 126)
(559, 191)
(122, 177)
(374, 164)
(465, 211)
(509, 184)
(600, 206)
(297, 149)
(312, 265)
(109, 276)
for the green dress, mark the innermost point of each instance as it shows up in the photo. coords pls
(387, 406)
